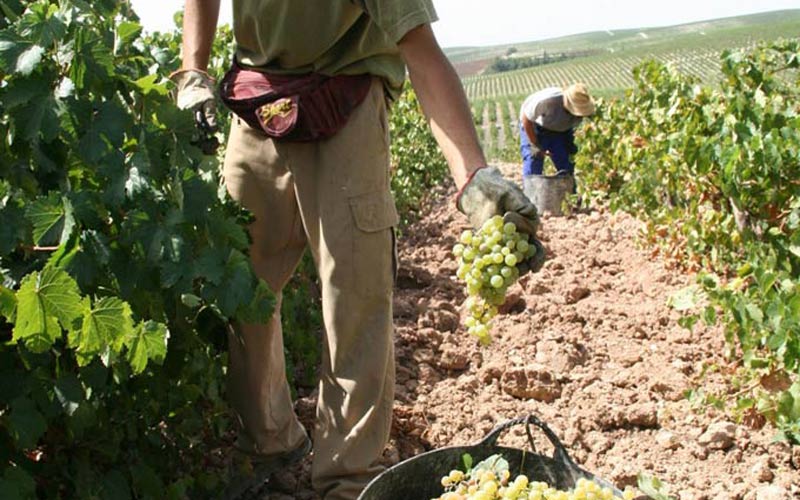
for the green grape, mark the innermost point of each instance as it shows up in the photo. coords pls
(482, 484)
(487, 260)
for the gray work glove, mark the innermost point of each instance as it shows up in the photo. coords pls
(194, 90)
(487, 194)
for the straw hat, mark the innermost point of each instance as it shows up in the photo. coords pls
(577, 100)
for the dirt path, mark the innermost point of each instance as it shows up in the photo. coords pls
(587, 344)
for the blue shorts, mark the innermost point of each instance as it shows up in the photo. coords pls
(560, 145)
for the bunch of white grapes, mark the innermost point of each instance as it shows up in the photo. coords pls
(488, 486)
(488, 262)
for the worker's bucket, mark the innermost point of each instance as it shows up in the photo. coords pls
(548, 192)
(418, 478)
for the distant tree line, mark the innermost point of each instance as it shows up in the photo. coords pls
(508, 63)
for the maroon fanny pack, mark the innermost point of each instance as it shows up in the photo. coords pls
(293, 108)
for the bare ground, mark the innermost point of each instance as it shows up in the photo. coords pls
(589, 345)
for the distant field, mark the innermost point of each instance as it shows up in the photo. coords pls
(608, 74)
(693, 49)
(717, 33)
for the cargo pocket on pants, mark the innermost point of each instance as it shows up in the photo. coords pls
(374, 258)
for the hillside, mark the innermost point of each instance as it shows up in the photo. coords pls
(710, 34)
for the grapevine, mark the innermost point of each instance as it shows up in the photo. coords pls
(487, 265)
(710, 170)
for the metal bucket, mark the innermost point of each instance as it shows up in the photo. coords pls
(548, 192)
(418, 478)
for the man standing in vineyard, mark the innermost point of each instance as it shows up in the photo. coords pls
(309, 157)
(547, 122)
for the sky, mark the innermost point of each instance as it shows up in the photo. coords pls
(494, 22)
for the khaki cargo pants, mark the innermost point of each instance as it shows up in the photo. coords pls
(332, 196)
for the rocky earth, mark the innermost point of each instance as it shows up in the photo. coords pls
(590, 346)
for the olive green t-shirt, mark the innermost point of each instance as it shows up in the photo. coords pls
(332, 37)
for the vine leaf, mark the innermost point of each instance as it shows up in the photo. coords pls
(18, 55)
(69, 392)
(44, 300)
(8, 302)
(105, 326)
(26, 423)
(147, 343)
(15, 482)
(52, 218)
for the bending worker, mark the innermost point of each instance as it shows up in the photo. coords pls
(308, 155)
(548, 119)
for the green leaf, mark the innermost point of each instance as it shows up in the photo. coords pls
(12, 230)
(44, 300)
(198, 197)
(18, 55)
(29, 59)
(8, 302)
(467, 459)
(26, 423)
(128, 31)
(210, 265)
(148, 343)
(116, 487)
(710, 316)
(17, 484)
(106, 133)
(148, 84)
(755, 312)
(494, 463)
(653, 487)
(11, 9)
(36, 110)
(146, 483)
(43, 22)
(789, 403)
(191, 300)
(684, 299)
(105, 326)
(93, 61)
(53, 219)
(238, 284)
(260, 309)
(69, 393)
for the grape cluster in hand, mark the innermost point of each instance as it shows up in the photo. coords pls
(487, 265)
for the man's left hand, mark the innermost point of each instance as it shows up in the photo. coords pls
(487, 194)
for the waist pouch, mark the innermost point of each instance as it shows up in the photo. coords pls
(293, 108)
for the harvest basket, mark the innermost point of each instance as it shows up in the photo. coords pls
(418, 478)
(548, 192)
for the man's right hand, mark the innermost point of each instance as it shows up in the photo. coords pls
(195, 91)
